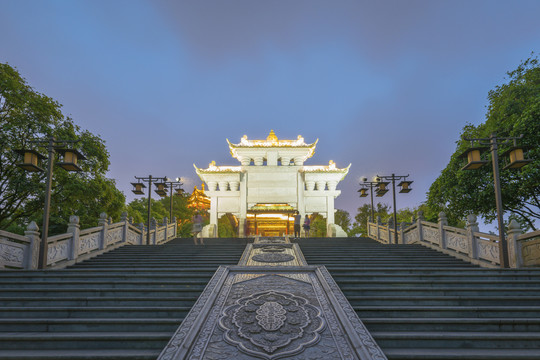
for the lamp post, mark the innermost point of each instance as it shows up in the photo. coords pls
(30, 163)
(405, 188)
(517, 160)
(365, 185)
(174, 185)
(137, 189)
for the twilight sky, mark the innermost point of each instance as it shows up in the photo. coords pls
(384, 85)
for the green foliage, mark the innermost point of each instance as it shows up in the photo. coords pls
(364, 213)
(225, 228)
(343, 219)
(160, 208)
(317, 226)
(514, 109)
(27, 115)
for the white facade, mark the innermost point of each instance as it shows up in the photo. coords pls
(272, 171)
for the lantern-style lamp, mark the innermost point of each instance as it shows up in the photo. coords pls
(138, 188)
(179, 191)
(381, 188)
(31, 160)
(516, 157)
(71, 156)
(161, 189)
(473, 156)
(405, 186)
(363, 192)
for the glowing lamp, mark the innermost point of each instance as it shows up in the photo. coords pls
(71, 156)
(381, 188)
(473, 156)
(516, 157)
(405, 186)
(363, 192)
(138, 188)
(30, 160)
(161, 189)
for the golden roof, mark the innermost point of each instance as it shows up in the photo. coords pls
(198, 199)
(271, 141)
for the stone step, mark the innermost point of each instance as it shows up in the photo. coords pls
(402, 300)
(97, 301)
(89, 324)
(460, 354)
(462, 339)
(85, 312)
(95, 284)
(87, 354)
(83, 340)
(453, 324)
(491, 291)
(481, 311)
(79, 292)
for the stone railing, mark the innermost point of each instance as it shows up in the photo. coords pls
(21, 252)
(468, 244)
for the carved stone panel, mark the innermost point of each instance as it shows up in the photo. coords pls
(11, 254)
(265, 313)
(89, 243)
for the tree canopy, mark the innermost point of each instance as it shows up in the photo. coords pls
(27, 115)
(513, 110)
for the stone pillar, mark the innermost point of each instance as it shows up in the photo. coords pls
(321, 185)
(104, 223)
(258, 160)
(243, 203)
(153, 226)
(124, 218)
(378, 228)
(514, 249)
(32, 234)
(234, 185)
(472, 227)
(166, 228)
(175, 222)
(420, 215)
(330, 210)
(213, 211)
(299, 161)
(310, 185)
(74, 229)
(285, 160)
(241, 227)
(223, 185)
(443, 221)
(143, 233)
(212, 185)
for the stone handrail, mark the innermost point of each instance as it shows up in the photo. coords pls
(468, 244)
(21, 252)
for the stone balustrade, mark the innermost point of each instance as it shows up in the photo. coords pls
(21, 252)
(468, 244)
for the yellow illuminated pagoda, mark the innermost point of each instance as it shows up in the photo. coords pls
(198, 200)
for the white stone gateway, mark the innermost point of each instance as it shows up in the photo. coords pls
(272, 182)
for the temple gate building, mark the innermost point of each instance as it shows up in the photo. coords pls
(270, 184)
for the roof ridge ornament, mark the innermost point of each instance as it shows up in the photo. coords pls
(272, 137)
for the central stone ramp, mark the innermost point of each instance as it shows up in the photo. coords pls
(282, 309)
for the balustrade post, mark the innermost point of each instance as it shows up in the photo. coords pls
(401, 237)
(153, 226)
(104, 223)
(124, 219)
(141, 227)
(514, 247)
(472, 227)
(443, 221)
(378, 228)
(166, 228)
(75, 229)
(32, 234)
(175, 222)
(420, 215)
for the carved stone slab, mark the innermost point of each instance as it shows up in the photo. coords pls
(272, 252)
(282, 312)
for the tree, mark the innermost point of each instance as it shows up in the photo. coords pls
(26, 115)
(343, 219)
(317, 225)
(514, 109)
(364, 213)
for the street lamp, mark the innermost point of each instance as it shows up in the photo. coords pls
(30, 162)
(173, 185)
(363, 192)
(405, 188)
(137, 189)
(517, 160)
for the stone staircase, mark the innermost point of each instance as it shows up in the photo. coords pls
(421, 304)
(124, 304)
